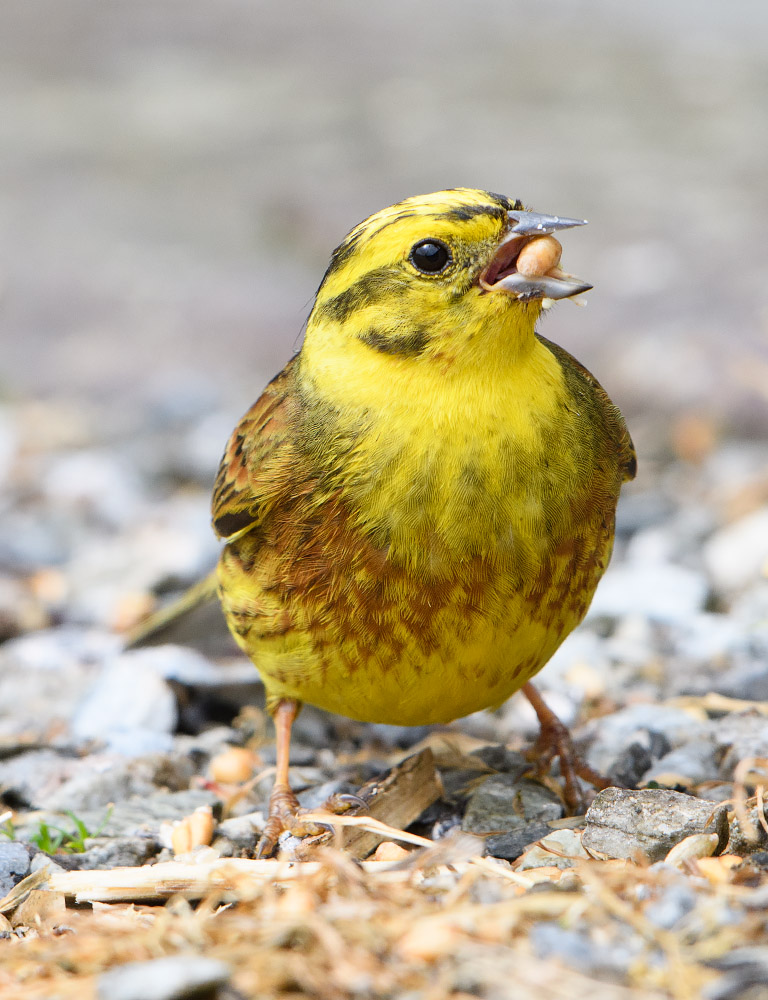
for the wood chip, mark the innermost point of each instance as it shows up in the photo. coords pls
(39, 907)
(20, 891)
(398, 799)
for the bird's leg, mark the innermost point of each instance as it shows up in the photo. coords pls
(284, 809)
(555, 741)
(283, 804)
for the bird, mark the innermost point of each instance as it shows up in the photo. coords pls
(418, 508)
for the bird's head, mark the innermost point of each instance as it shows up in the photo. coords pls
(441, 276)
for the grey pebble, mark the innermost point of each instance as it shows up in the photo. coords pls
(612, 734)
(577, 950)
(735, 554)
(129, 696)
(675, 903)
(171, 978)
(95, 481)
(116, 852)
(739, 735)
(14, 865)
(748, 681)
(637, 758)
(512, 844)
(316, 796)
(695, 761)
(45, 675)
(745, 975)
(43, 861)
(663, 592)
(620, 823)
(32, 777)
(502, 759)
(744, 842)
(187, 666)
(140, 816)
(502, 803)
(241, 832)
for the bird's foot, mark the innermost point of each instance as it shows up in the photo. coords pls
(555, 740)
(285, 814)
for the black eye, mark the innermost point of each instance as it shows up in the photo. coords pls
(430, 256)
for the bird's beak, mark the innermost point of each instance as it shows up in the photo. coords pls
(501, 273)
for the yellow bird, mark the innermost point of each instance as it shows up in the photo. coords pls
(419, 507)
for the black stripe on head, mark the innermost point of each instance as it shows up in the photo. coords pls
(497, 207)
(506, 203)
(374, 286)
(463, 213)
(407, 345)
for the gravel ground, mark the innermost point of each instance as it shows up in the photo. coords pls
(168, 175)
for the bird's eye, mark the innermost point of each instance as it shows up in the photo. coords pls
(430, 256)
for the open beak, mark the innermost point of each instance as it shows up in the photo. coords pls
(501, 274)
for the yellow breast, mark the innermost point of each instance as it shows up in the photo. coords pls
(440, 561)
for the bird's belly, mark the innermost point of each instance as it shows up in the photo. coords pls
(381, 643)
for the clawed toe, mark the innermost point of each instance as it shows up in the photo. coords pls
(286, 815)
(555, 741)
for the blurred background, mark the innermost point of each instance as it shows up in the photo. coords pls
(175, 173)
(173, 176)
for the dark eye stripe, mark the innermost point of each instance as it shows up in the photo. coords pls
(378, 284)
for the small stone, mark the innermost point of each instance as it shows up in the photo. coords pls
(745, 975)
(43, 861)
(695, 761)
(707, 636)
(512, 844)
(612, 734)
(620, 823)
(173, 978)
(747, 681)
(504, 803)
(558, 849)
(140, 816)
(242, 832)
(45, 675)
(128, 696)
(737, 554)
(14, 865)
(672, 906)
(739, 735)
(116, 852)
(576, 949)
(315, 796)
(663, 592)
(630, 766)
(752, 840)
(502, 759)
(32, 777)
(98, 482)
(187, 666)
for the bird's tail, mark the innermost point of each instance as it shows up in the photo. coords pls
(164, 625)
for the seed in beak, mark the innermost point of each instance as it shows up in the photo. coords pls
(538, 257)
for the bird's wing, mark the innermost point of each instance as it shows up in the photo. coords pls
(610, 415)
(259, 458)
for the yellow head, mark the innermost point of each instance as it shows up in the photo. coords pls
(435, 277)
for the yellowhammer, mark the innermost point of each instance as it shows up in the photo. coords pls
(419, 507)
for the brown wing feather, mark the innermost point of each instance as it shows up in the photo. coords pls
(607, 415)
(258, 459)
